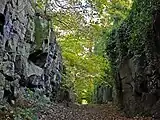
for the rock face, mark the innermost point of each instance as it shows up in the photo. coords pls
(134, 92)
(135, 56)
(103, 94)
(23, 64)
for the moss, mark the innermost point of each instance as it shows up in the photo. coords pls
(135, 38)
(131, 36)
(38, 32)
(41, 31)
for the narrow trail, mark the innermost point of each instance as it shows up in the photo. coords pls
(73, 112)
(83, 112)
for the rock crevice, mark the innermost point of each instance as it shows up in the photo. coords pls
(23, 64)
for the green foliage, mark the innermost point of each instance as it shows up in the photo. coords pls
(113, 11)
(111, 40)
(25, 114)
(82, 34)
(117, 11)
(30, 113)
(36, 96)
(130, 37)
(41, 31)
(86, 70)
(38, 32)
(83, 67)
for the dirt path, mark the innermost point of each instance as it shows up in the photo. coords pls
(62, 112)
(83, 112)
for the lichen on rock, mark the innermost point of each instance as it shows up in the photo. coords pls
(28, 56)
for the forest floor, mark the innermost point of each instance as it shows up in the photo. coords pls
(71, 112)
(84, 112)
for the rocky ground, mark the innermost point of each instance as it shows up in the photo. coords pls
(84, 112)
(64, 112)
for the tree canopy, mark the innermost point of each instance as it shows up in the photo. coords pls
(81, 27)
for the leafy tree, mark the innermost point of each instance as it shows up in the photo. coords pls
(80, 26)
(83, 67)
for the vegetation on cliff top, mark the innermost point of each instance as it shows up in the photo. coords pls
(129, 38)
(80, 28)
(96, 35)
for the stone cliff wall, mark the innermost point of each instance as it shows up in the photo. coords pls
(136, 58)
(22, 64)
(102, 94)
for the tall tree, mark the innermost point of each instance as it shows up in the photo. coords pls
(78, 25)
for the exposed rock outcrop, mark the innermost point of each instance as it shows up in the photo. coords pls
(102, 94)
(136, 59)
(23, 64)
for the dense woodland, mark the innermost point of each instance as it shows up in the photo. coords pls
(82, 30)
(110, 54)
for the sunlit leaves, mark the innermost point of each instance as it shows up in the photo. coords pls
(79, 26)
(83, 67)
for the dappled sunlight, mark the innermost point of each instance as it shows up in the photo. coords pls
(84, 102)
(80, 59)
